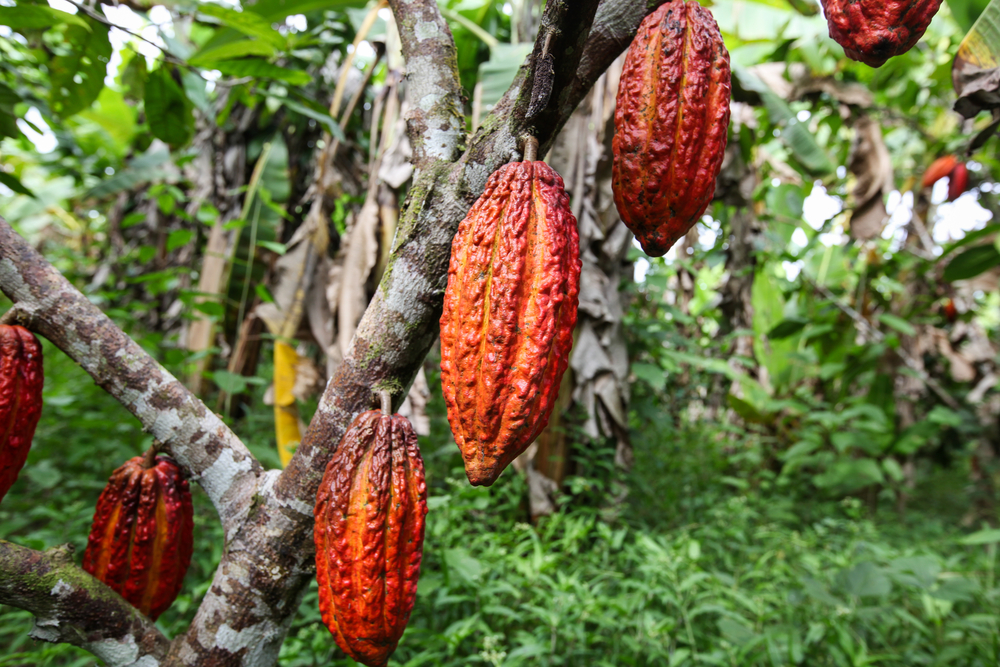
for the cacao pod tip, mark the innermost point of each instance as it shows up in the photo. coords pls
(958, 181)
(21, 380)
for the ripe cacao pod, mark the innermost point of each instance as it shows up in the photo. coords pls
(141, 540)
(958, 181)
(872, 31)
(369, 535)
(940, 168)
(20, 399)
(509, 312)
(671, 122)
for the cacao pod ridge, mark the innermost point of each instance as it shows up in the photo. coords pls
(671, 124)
(369, 533)
(142, 536)
(872, 31)
(509, 312)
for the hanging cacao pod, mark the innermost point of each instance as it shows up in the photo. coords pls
(671, 122)
(369, 535)
(141, 540)
(958, 181)
(872, 31)
(940, 168)
(509, 312)
(20, 399)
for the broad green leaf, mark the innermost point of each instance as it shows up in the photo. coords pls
(897, 323)
(237, 49)
(115, 116)
(972, 262)
(142, 169)
(965, 12)
(38, 17)
(78, 77)
(988, 536)
(973, 71)
(14, 184)
(261, 69)
(323, 118)
(787, 327)
(246, 22)
(168, 109)
(794, 134)
(866, 579)
(497, 73)
(971, 237)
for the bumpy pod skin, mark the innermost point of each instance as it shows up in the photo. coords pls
(872, 31)
(509, 312)
(143, 533)
(369, 536)
(20, 399)
(671, 124)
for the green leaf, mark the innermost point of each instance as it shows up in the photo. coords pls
(497, 73)
(787, 327)
(972, 262)
(651, 374)
(965, 12)
(142, 169)
(794, 134)
(323, 118)
(38, 17)
(261, 69)
(11, 182)
(276, 248)
(78, 77)
(897, 323)
(245, 47)
(168, 109)
(988, 536)
(744, 409)
(178, 238)
(246, 22)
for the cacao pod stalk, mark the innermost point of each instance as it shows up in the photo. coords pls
(872, 31)
(20, 399)
(671, 124)
(509, 312)
(369, 534)
(143, 533)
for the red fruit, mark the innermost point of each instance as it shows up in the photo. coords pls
(958, 181)
(20, 399)
(940, 168)
(671, 122)
(141, 540)
(950, 311)
(508, 318)
(872, 31)
(369, 535)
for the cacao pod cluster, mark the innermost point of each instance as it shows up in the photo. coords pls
(142, 536)
(872, 31)
(956, 171)
(671, 124)
(509, 313)
(369, 535)
(20, 399)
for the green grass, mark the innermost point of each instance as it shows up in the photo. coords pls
(692, 567)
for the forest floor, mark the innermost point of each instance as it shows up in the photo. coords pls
(690, 565)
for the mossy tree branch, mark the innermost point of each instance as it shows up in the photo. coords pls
(73, 607)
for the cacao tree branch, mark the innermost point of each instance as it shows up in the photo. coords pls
(194, 435)
(73, 607)
(435, 120)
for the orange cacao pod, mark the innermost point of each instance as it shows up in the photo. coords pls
(369, 535)
(940, 168)
(20, 399)
(509, 313)
(958, 181)
(141, 540)
(872, 31)
(671, 122)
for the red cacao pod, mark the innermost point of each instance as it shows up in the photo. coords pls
(671, 122)
(20, 399)
(940, 168)
(509, 312)
(958, 181)
(872, 31)
(369, 535)
(143, 533)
